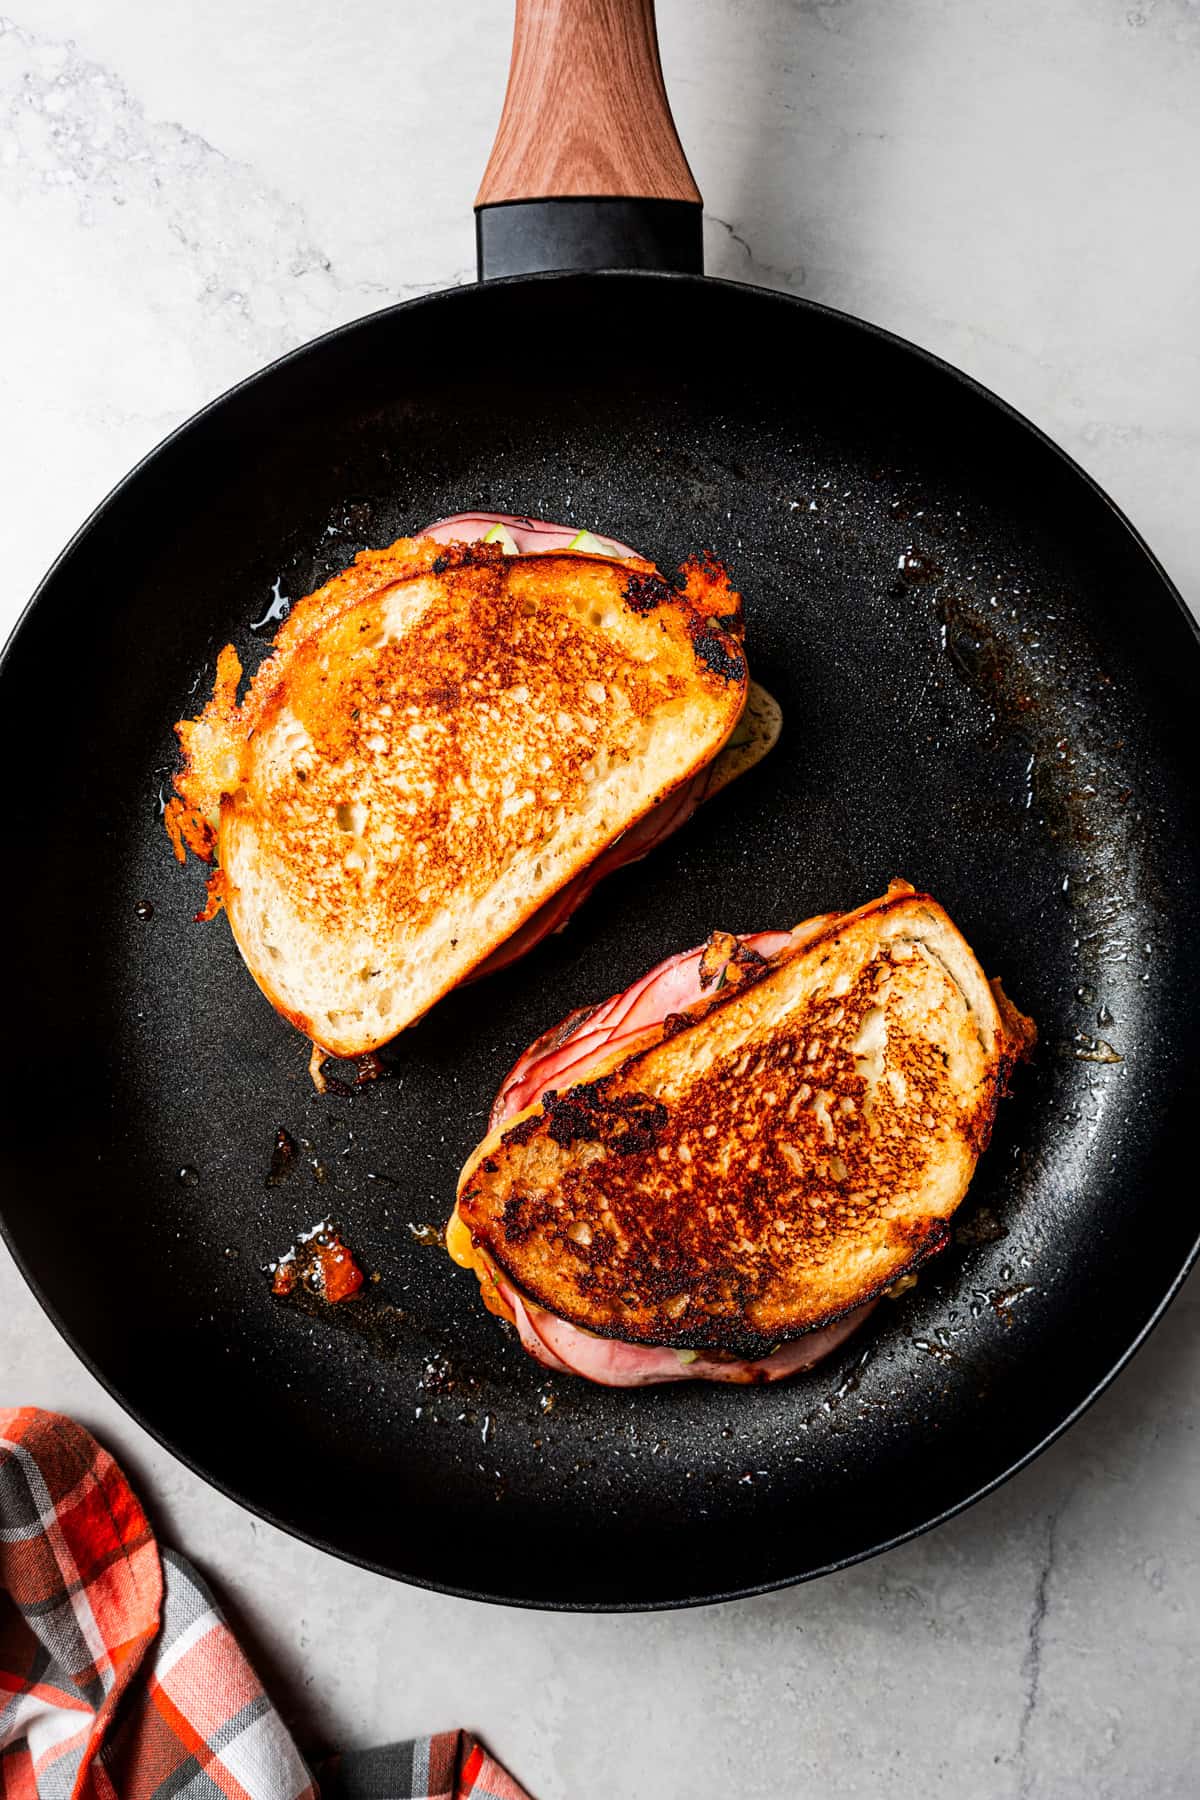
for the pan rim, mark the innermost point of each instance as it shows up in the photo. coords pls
(764, 297)
(683, 1603)
(770, 296)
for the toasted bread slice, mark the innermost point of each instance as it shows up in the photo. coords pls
(444, 737)
(770, 1159)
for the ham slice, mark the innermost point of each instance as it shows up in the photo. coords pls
(565, 1350)
(560, 1061)
(531, 536)
(561, 1058)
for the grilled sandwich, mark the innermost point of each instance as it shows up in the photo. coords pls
(436, 762)
(717, 1173)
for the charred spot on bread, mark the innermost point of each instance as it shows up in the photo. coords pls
(465, 556)
(713, 649)
(522, 1131)
(643, 593)
(522, 1217)
(590, 1112)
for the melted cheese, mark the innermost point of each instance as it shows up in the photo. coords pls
(460, 1245)
(462, 1249)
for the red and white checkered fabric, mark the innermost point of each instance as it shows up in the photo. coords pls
(120, 1680)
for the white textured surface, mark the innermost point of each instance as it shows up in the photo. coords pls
(187, 190)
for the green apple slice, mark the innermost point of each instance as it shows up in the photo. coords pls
(500, 534)
(586, 541)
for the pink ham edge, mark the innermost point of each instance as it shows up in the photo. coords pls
(531, 536)
(609, 1363)
(669, 987)
(565, 1349)
(634, 1009)
(530, 1340)
(535, 537)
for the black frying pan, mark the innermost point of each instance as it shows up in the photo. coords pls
(989, 686)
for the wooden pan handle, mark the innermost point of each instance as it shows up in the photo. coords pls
(586, 112)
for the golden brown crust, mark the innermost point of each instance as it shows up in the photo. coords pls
(785, 1157)
(428, 718)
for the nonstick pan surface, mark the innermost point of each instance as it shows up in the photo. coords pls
(988, 687)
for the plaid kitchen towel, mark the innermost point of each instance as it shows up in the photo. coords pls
(120, 1680)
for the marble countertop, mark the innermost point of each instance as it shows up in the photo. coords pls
(187, 191)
